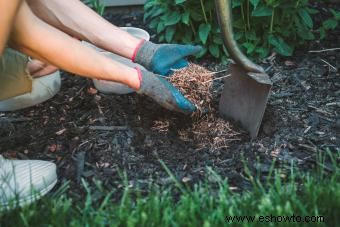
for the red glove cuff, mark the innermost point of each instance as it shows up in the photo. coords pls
(137, 49)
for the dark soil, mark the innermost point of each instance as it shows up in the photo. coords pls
(302, 118)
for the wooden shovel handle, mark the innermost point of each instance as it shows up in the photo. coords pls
(224, 14)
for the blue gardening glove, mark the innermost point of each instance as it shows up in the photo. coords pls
(163, 58)
(165, 94)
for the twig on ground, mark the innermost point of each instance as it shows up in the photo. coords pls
(334, 68)
(269, 68)
(217, 78)
(325, 50)
(77, 94)
(222, 71)
(308, 147)
(108, 128)
(60, 132)
(83, 143)
(321, 111)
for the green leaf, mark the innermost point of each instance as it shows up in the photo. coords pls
(255, 3)
(179, 1)
(280, 45)
(336, 14)
(214, 50)
(312, 11)
(150, 4)
(330, 24)
(160, 27)
(218, 39)
(306, 19)
(306, 34)
(203, 32)
(238, 35)
(302, 30)
(250, 47)
(203, 52)
(161, 38)
(172, 19)
(224, 60)
(169, 33)
(225, 51)
(251, 35)
(187, 38)
(196, 15)
(262, 51)
(153, 23)
(322, 33)
(239, 24)
(262, 11)
(276, 3)
(236, 3)
(154, 12)
(186, 17)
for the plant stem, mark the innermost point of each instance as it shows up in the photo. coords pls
(272, 22)
(192, 28)
(243, 18)
(248, 15)
(244, 21)
(242, 13)
(297, 4)
(203, 10)
(294, 13)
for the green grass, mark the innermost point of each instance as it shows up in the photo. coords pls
(311, 194)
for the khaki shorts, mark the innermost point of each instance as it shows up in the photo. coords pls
(14, 80)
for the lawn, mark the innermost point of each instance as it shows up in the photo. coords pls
(290, 199)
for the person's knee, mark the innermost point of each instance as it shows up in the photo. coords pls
(2, 49)
(13, 76)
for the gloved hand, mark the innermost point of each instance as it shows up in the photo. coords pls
(163, 58)
(165, 94)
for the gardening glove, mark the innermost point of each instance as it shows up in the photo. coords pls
(163, 92)
(163, 58)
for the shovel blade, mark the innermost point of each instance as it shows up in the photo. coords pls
(244, 98)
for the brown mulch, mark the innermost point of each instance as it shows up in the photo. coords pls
(208, 129)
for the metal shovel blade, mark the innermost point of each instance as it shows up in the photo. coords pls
(244, 98)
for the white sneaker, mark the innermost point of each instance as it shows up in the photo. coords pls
(24, 181)
(43, 88)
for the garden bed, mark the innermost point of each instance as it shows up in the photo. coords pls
(97, 136)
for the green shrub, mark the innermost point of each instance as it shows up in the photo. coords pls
(260, 26)
(329, 24)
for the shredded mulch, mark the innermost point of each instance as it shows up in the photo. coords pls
(195, 82)
(208, 129)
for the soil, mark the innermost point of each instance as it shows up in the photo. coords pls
(97, 136)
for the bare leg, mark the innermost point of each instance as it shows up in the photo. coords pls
(78, 20)
(40, 40)
(7, 16)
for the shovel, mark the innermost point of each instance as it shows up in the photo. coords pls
(246, 90)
